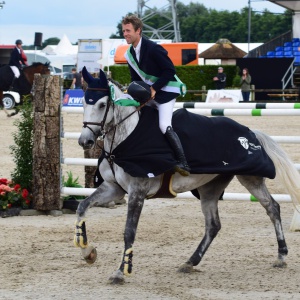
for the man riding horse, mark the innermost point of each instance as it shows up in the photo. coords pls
(17, 59)
(150, 63)
(13, 77)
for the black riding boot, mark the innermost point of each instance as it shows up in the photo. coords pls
(11, 88)
(173, 139)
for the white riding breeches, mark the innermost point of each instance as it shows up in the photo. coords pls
(165, 112)
(16, 71)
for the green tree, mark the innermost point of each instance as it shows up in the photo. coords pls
(199, 24)
(51, 41)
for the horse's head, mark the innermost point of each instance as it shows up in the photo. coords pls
(96, 103)
(36, 68)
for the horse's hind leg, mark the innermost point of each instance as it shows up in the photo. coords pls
(256, 186)
(209, 195)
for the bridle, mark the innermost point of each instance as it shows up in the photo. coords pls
(102, 123)
(108, 155)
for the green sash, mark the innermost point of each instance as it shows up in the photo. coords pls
(172, 86)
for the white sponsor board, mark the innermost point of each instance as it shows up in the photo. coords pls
(99, 53)
(224, 96)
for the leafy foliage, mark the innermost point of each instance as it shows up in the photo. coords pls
(22, 150)
(199, 24)
(195, 77)
(50, 41)
(71, 182)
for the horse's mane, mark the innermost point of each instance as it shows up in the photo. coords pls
(119, 85)
(39, 63)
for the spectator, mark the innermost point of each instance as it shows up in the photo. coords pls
(245, 84)
(17, 56)
(77, 80)
(220, 79)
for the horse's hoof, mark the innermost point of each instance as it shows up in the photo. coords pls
(117, 278)
(186, 268)
(90, 255)
(280, 264)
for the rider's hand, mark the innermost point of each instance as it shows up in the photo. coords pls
(153, 92)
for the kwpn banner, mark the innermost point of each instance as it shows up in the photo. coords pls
(73, 98)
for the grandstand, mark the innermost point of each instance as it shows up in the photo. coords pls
(288, 49)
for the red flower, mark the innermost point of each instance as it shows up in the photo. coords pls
(17, 187)
(24, 193)
(9, 205)
(3, 181)
(27, 201)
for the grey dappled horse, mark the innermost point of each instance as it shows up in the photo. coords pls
(104, 118)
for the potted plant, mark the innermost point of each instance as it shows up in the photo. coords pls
(71, 202)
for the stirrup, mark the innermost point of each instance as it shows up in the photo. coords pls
(182, 170)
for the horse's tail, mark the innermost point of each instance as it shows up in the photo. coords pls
(285, 169)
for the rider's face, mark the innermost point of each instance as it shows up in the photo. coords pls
(131, 36)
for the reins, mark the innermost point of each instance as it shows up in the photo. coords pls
(108, 155)
(122, 120)
(101, 124)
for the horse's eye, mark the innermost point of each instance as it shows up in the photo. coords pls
(102, 105)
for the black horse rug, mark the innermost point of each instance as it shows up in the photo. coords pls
(215, 145)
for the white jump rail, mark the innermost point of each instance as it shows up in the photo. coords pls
(226, 196)
(238, 105)
(220, 112)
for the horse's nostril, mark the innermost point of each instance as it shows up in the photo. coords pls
(86, 144)
(90, 143)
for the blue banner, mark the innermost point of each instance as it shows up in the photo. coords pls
(73, 98)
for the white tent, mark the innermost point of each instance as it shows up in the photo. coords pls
(62, 56)
(49, 50)
(65, 47)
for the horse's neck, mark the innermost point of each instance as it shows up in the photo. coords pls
(28, 75)
(124, 128)
(22, 85)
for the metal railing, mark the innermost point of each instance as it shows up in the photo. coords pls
(290, 78)
(271, 45)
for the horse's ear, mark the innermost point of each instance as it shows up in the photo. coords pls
(102, 76)
(86, 75)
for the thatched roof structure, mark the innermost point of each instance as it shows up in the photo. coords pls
(222, 49)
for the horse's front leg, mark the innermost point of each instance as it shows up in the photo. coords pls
(135, 205)
(104, 194)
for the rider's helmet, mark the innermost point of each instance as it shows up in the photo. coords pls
(19, 42)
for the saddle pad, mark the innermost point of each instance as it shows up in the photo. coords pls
(212, 145)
